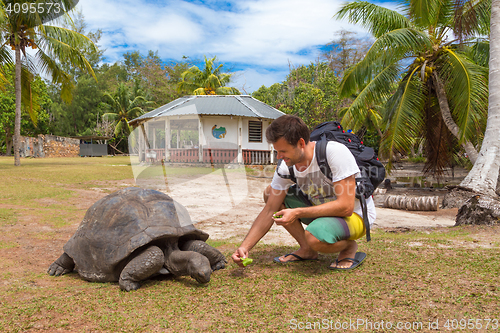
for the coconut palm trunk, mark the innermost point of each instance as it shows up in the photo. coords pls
(484, 175)
(448, 119)
(17, 121)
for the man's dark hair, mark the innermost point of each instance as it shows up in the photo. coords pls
(292, 128)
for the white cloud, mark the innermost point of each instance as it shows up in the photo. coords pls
(252, 79)
(265, 34)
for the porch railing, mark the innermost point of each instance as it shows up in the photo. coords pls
(209, 155)
(184, 155)
(256, 157)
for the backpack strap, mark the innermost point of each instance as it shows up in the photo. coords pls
(362, 202)
(321, 156)
(291, 176)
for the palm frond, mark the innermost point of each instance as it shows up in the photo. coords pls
(467, 89)
(138, 100)
(119, 127)
(471, 18)
(135, 112)
(480, 52)
(29, 97)
(403, 115)
(377, 91)
(199, 91)
(378, 20)
(227, 91)
(386, 50)
(375, 117)
(110, 101)
(435, 16)
(53, 69)
(6, 56)
(66, 44)
(206, 81)
(425, 13)
(212, 81)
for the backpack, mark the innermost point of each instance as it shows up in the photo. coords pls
(371, 169)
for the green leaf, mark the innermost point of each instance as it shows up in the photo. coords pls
(246, 261)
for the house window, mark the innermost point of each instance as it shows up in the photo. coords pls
(254, 131)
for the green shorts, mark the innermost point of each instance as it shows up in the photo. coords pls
(328, 229)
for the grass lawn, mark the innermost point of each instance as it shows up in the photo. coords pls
(444, 278)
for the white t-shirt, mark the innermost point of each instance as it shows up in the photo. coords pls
(317, 186)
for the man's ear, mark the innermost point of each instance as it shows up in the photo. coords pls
(301, 143)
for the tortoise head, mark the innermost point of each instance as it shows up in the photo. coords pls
(199, 268)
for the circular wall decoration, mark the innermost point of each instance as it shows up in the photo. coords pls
(219, 133)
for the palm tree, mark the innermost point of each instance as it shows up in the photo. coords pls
(22, 29)
(483, 178)
(123, 107)
(210, 81)
(436, 81)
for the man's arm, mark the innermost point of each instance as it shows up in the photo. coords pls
(345, 191)
(261, 225)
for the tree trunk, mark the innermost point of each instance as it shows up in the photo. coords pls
(479, 209)
(484, 175)
(8, 141)
(448, 119)
(482, 205)
(17, 122)
(425, 203)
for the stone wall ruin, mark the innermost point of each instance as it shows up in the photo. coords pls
(49, 146)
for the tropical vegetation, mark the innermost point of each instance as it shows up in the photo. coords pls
(421, 81)
(309, 92)
(124, 106)
(209, 81)
(54, 47)
(39, 98)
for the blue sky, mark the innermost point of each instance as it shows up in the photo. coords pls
(256, 39)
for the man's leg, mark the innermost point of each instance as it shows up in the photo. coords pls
(297, 231)
(336, 234)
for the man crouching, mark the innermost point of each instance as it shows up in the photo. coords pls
(327, 206)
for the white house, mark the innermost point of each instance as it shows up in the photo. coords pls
(208, 128)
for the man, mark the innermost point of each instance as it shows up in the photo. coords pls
(329, 208)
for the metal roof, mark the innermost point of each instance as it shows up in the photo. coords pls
(214, 105)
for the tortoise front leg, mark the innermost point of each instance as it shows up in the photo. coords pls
(217, 259)
(64, 264)
(147, 263)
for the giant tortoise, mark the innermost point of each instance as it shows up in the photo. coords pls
(133, 234)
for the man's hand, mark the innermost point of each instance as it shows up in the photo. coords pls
(285, 217)
(239, 254)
